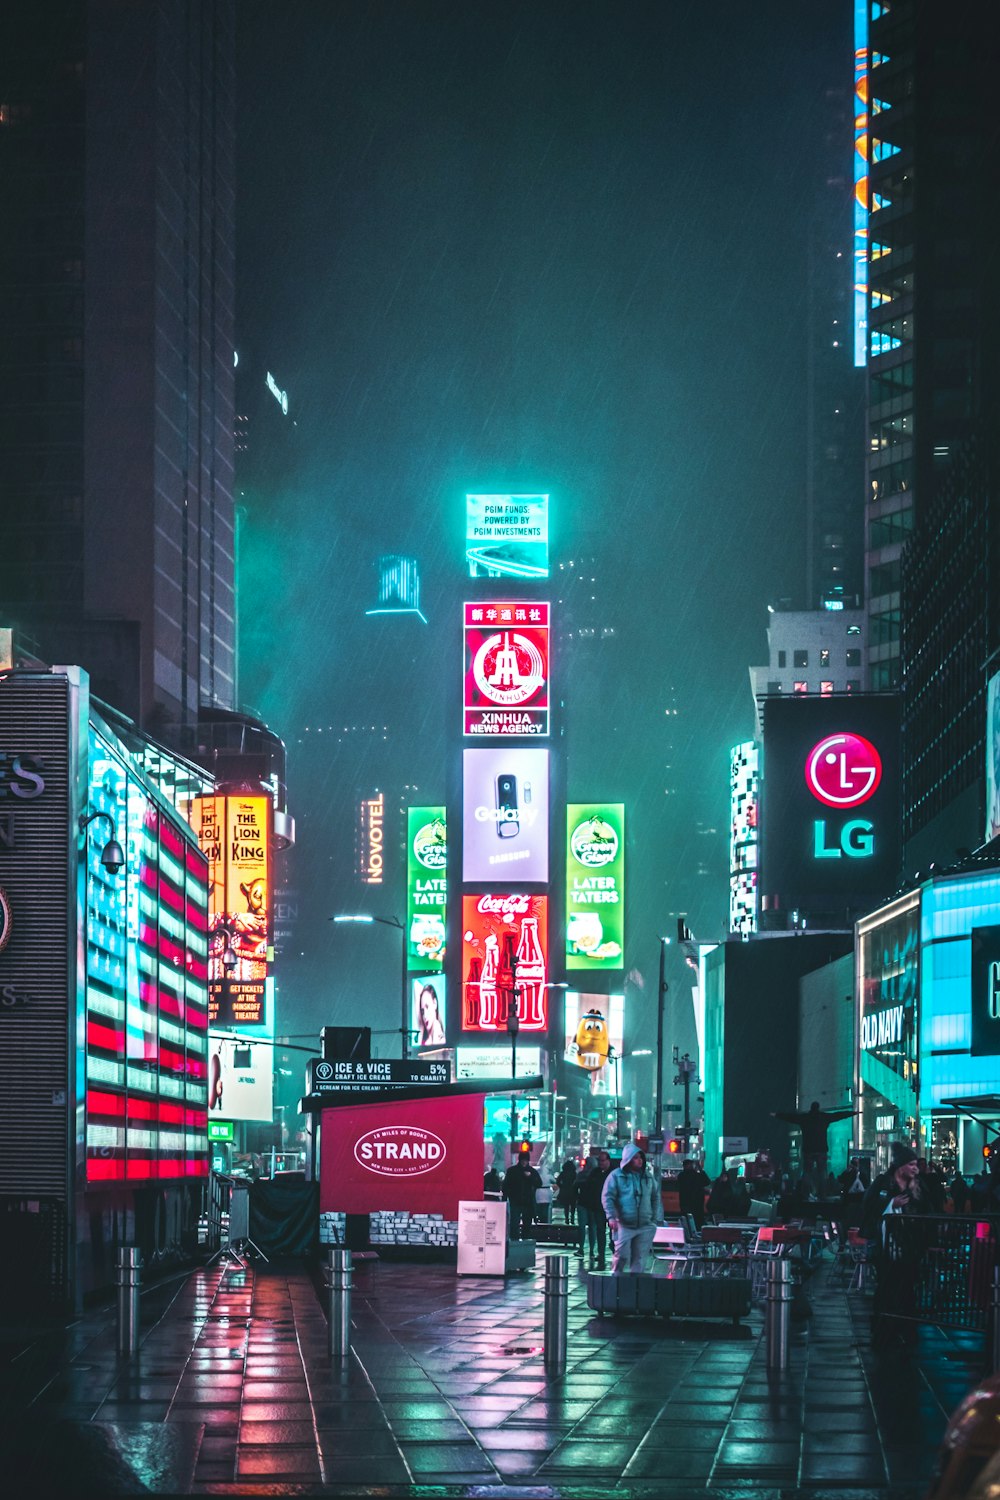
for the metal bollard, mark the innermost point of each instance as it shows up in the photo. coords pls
(339, 1286)
(129, 1277)
(995, 1318)
(556, 1299)
(778, 1314)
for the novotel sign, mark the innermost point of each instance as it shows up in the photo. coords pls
(842, 771)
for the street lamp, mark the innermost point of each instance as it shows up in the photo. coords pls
(401, 928)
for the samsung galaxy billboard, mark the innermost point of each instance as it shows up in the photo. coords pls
(505, 825)
(830, 805)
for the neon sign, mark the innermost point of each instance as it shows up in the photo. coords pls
(506, 668)
(279, 395)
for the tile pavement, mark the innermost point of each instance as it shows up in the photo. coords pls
(446, 1393)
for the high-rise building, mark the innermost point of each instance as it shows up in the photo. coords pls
(116, 371)
(933, 173)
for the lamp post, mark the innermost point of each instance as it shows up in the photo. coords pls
(404, 1028)
(661, 1000)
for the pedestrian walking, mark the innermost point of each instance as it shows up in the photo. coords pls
(898, 1190)
(633, 1205)
(520, 1185)
(566, 1187)
(593, 1221)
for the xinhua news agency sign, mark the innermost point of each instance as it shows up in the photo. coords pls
(830, 799)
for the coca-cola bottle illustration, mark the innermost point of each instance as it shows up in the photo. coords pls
(488, 987)
(505, 978)
(531, 976)
(470, 1020)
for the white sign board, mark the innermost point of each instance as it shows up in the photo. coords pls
(734, 1145)
(482, 1238)
(494, 1062)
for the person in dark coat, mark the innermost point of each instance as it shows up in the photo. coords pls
(519, 1188)
(566, 1185)
(691, 1185)
(593, 1220)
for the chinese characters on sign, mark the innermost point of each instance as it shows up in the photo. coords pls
(503, 935)
(506, 668)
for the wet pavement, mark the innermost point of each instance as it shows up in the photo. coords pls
(446, 1394)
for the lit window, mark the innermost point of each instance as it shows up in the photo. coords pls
(824, 656)
(825, 688)
(853, 685)
(854, 630)
(801, 687)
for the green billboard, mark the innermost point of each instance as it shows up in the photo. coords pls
(595, 885)
(426, 888)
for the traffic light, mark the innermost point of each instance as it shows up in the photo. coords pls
(991, 1151)
(674, 1146)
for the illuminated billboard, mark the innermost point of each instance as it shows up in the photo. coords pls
(233, 833)
(507, 536)
(830, 822)
(496, 1062)
(594, 1039)
(992, 758)
(501, 933)
(426, 888)
(240, 1077)
(744, 798)
(505, 824)
(506, 668)
(595, 885)
(427, 1010)
(145, 985)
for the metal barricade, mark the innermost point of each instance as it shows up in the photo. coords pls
(938, 1268)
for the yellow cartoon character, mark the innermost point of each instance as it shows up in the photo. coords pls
(593, 1045)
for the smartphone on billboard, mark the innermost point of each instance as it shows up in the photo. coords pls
(508, 811)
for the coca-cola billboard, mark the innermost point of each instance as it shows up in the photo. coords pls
(504, 954)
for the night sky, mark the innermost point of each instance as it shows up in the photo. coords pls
(545, 246)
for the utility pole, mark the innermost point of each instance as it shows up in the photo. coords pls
(661, 999)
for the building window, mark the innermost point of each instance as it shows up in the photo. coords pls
(801, 687)
(825, 688)
(854, 630)
(774, 687)
(824, 657)
(800, 658)
(782, 658)
(853, 685)
(854, 657)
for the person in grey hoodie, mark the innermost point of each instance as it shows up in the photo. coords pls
(632, 1202)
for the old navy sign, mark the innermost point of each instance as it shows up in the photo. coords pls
(985, 992)
(842, 771)
(883, 1028)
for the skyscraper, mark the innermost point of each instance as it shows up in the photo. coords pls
(931, 548)
(116, 374)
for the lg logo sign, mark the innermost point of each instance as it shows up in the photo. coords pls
(842, 772)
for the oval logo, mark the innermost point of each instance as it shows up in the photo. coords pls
(843, 770)
(400, 1151)
(594, 843)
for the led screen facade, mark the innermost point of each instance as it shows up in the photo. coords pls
(992, 758)
(502, 933)
(861, 119)
(594, 1038)
(233, 833)
(426, 888)
(888, 1021)
(241, 1073)
(146, 986)
(595, 885)
(506, 688)
(830, 817)
(744, 804)
(505, 827)
(507, 536)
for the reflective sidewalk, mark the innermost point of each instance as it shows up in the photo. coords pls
(446, 1394)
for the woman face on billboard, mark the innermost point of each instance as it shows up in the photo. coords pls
(430, 1029)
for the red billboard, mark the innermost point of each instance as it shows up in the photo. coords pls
(421, 1156)
(503, 936)
(506, 669)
